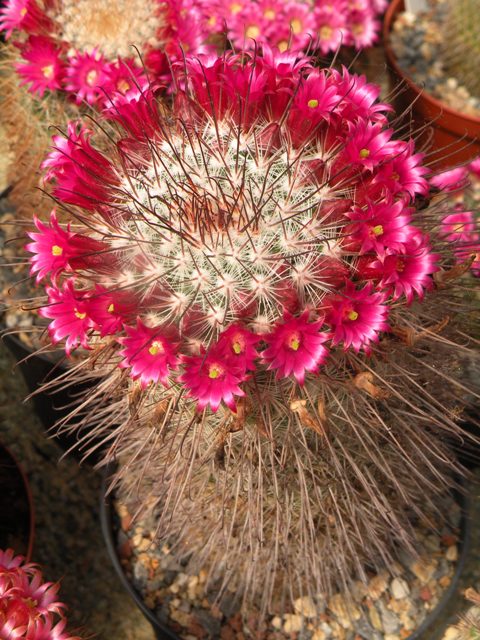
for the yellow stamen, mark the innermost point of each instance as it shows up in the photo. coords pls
(253, 31)
(237, 347)
(296, 26)
(215, 371)
(352, 315)
(400, 266)
(294, 342)
(56, 250)
(364, 153)
(313, 104)
(458, 228)
(123, 85)
(91, 77)
(80, 315)
(325, 32)
(23, 12)
(235, 8)
(282, 46)
(155, 348)
(111, 308)
(269, 14)
(377, 230)
(48, 71)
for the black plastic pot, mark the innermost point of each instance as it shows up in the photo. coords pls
(17, 520)
(424, 632)
(107, 522)
(50, 405)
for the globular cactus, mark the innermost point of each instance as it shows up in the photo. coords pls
(461, 42)
(245, 271)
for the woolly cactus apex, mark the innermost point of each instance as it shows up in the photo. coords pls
(461, 38)
(253, 305)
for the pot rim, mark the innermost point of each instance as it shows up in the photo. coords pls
(164, 633)
(394, 7)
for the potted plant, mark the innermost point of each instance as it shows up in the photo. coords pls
(28, 605)
(64, 59)
(433, 54)
(275, 319)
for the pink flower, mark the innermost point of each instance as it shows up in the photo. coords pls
(83, 176)
(25, 15)
(451, 180)
(136, 111)
(378, 227)
(69, 310)
(404, 172)
(57, 249)
(474, 167)
(407, 270)
(237, 345)
(313, 103)
(44, 594)
(368, 144)
(8, 561)
(44, 69)
(86, 75)
(210, 379)
(465, 250)
(28, 608)
(295, 346)
(330, 27)
(356, 316)
(109, 310)
(359, 98)
(459, 226)
(49, 630)
(150, 352)
(363, 28)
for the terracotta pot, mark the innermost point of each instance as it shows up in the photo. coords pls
(17, 520)
(454, 138)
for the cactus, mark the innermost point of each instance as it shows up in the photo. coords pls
(28, 606)
(461, 42)
(245, 273)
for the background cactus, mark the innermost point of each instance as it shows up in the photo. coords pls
(461, 42)
(245, 274)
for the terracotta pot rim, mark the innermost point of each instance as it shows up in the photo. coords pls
(393, 8)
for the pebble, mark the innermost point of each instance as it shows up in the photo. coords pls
(452, 553)
(424, 569)
(345, 612)
(293, 623)
(305, 607)
(399, 588)
(377, 585)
